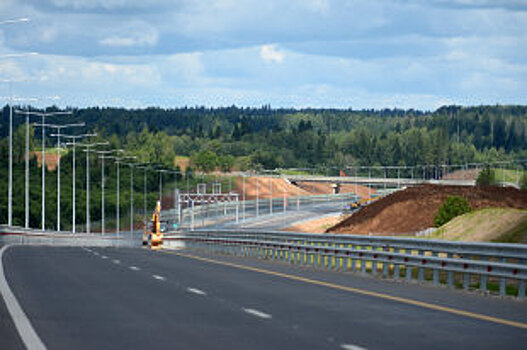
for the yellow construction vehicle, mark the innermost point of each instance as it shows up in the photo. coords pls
(156, 236)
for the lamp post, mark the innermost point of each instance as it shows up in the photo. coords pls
(145, 168)
(118, 160)
(43, 165)
(103, 181)
(74, 177)
(131, 165)
(88, 147)
(58, 135)
(10, 176)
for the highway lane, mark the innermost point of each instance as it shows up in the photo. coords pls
(134, 298)
(280, 220)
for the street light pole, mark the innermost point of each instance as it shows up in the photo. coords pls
(10, 188)
(10, 180)
(103, 182)
(58, 135)
(117, 161)
(43, 165)
(88, 146)
(74, 177)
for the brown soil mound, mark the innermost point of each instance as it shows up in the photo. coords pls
(280, 187)
(325, 188)
(414, 208)
(52, 160)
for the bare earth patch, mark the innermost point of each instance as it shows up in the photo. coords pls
(319, 225)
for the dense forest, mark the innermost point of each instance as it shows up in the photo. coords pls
(236, 138)
(244, 138)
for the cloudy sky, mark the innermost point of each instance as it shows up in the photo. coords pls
(286, 53)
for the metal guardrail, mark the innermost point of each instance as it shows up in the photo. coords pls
(19, 235)
(195, 216)
(443, 262)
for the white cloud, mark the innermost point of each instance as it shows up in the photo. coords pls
(146, 38)
(270, 53)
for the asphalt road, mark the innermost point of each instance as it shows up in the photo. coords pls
(280, 220)
(108, 298)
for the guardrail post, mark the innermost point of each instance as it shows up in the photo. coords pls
(396, 268)
(483, 280)
(521, 289)
(385, 264)
(362, 264)
(503, 281)
(353, 261)
(466, 280)
(408, 271)
(450, 274)
(421, 270)
(342, 260)
(435, 273)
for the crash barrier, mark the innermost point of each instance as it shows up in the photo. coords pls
(468, 265)
(22, 236)
(198, 214)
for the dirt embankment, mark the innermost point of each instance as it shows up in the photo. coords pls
(414, 208)
(267, 186)
(319, 225)
(325, 188)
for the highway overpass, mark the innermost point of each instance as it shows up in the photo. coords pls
(377, 181)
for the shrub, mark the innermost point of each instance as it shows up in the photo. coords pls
(453, 206)
(523, 181)
(486, 177)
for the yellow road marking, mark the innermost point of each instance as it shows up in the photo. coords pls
(361, 291)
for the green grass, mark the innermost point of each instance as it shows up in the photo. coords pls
(506, 175)
(294, 172)
(516, 235)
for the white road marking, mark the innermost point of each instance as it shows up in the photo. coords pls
(23, 325)
(196, 291)
(116, 261)
(351, 347)
(134, 268)
(95, 253)
(157, 277)
(104, 257)
(257, 313)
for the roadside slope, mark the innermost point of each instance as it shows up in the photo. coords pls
(414, 209)
(484, 225)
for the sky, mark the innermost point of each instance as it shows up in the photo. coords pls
(358, 54)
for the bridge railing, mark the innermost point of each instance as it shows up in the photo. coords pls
(464, 264)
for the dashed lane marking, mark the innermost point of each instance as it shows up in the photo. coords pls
(104, 257)
(351, 347)
(116, 261)
(196, 291)
(160, 278)
(257, 313)
(134, 268)
(355, 290)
